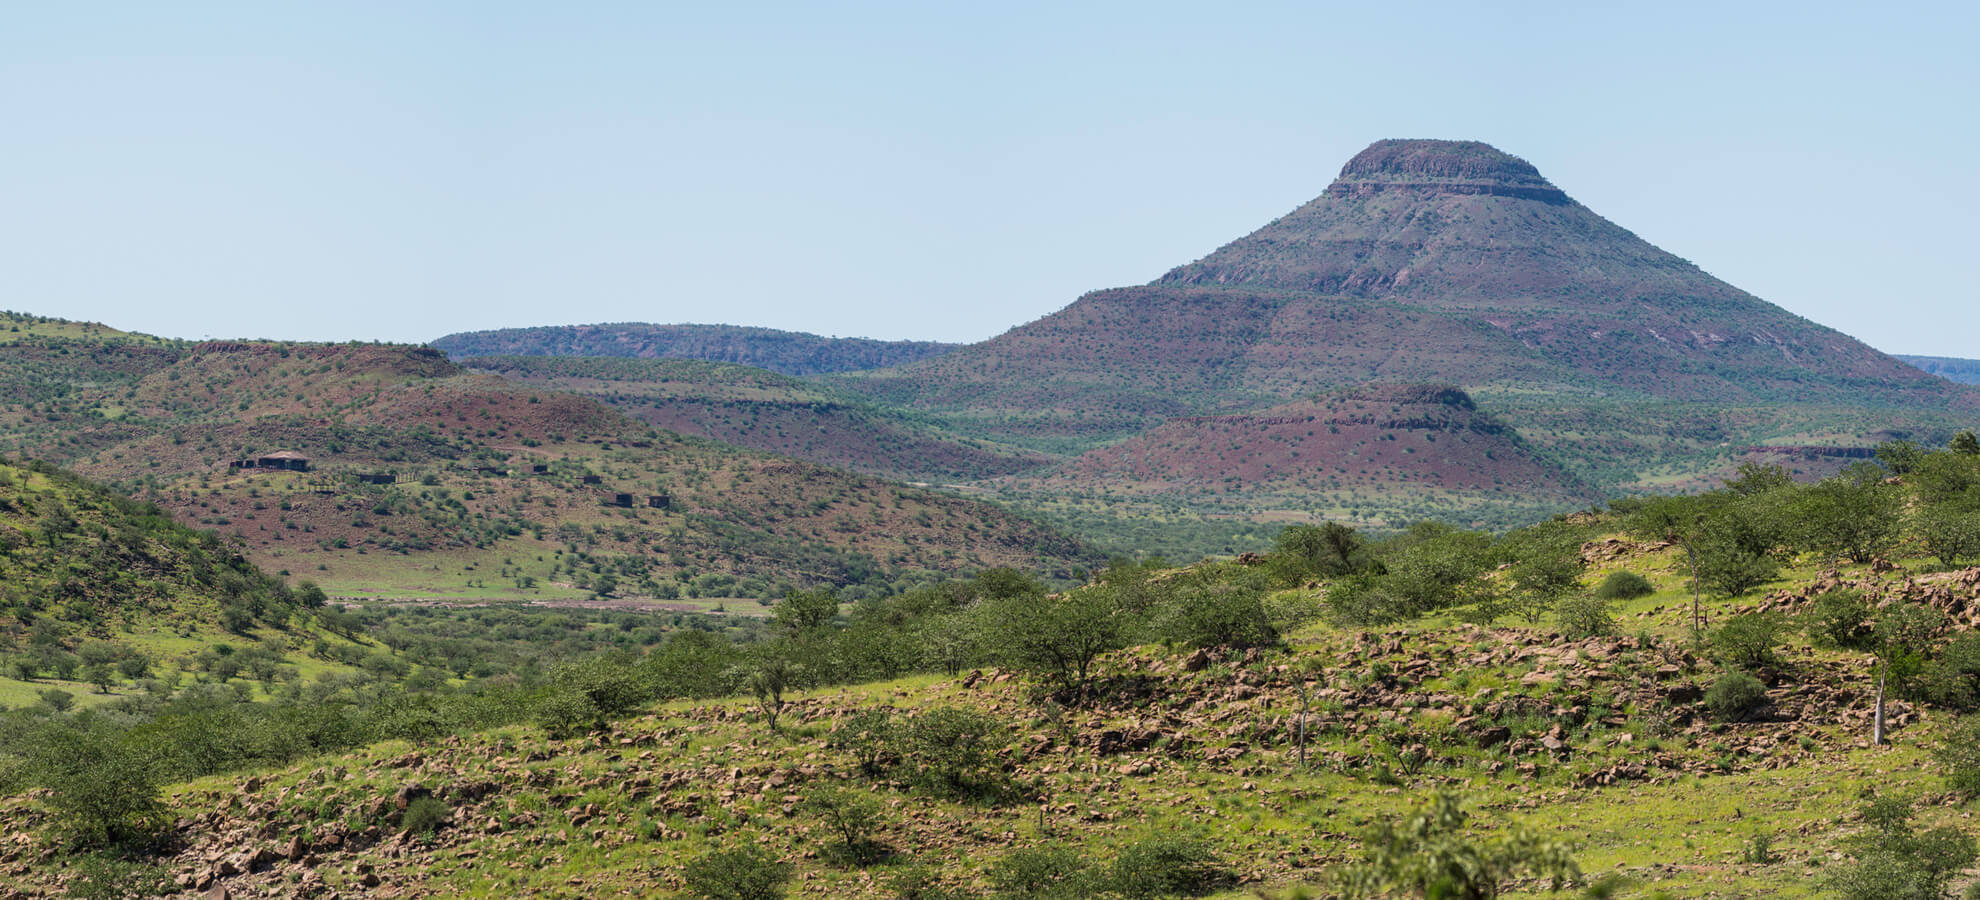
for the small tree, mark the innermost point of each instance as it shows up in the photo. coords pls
(1429, 854)
(1895, 861)
(1854, 515)
(742, 873)
(1747, 641)
(852, 818)
(1959, 753)
(806, 611)
(101, 791)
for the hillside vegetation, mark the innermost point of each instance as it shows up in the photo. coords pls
(1751, 692)
(762, 410)
(428, 480)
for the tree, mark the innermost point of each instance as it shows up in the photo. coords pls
(1950, 531)
(1059, 636)
(1429, 855)
(1964, 444)
(1324, 551)
(742, 873)
(1899, 456)
(1854, 515)
(1895, 861)
(769, 675)
(101, 790)
(806, 611)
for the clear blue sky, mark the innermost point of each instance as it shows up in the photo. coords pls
(401, 170)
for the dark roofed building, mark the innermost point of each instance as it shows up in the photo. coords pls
(283, 459)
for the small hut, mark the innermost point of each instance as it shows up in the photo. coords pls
(288, 460)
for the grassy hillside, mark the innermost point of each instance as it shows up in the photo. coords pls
(1230, 730)
(787, 352)
(495, 488)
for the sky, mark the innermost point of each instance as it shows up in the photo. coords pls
(931, 170)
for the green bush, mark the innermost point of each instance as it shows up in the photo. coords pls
(107, 876)
(1894, 861)
(1624, 586)
(1959, 753)
(852, 818)
(1166, 867)
(742, 873)
(102, 791)
(425, 815)
(1747, 641)
(1041, 873)
(1840, 619)
(1584, 616)
(869, 737)
(950, 752)
(1736, 695)
(919, 883)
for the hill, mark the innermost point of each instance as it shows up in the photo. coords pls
(786, 352)
(1385, 455)
(766, 411)
(1446, 262)
(423, 478)
(1227, 759)
(1964, 371)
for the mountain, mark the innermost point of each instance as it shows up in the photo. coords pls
(1445, 262)
(787, 352)
(1425, 451)
(419, 477)
(766, 411)
(1964, 371)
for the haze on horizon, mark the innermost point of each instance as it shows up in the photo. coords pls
(376, 171)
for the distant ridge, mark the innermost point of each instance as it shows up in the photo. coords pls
(785, 352)
(1951, 368)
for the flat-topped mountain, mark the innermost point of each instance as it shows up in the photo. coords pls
(1428, 261)
(788, 352)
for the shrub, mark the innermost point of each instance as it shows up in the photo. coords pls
(1896, 862)
(948, 752)
(1219, 614)
(425, 815)
(1959, 753)
(1736, 695)
(869, 738)
(742, 873)
(852, 819)
(1041, 873)
(1166, 867)
(1624, 586)
(107, 876)
(1584, 616)
(918, 883)
(1747, 641)
(1430, 855)
(102, 792)
(1840, 619)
